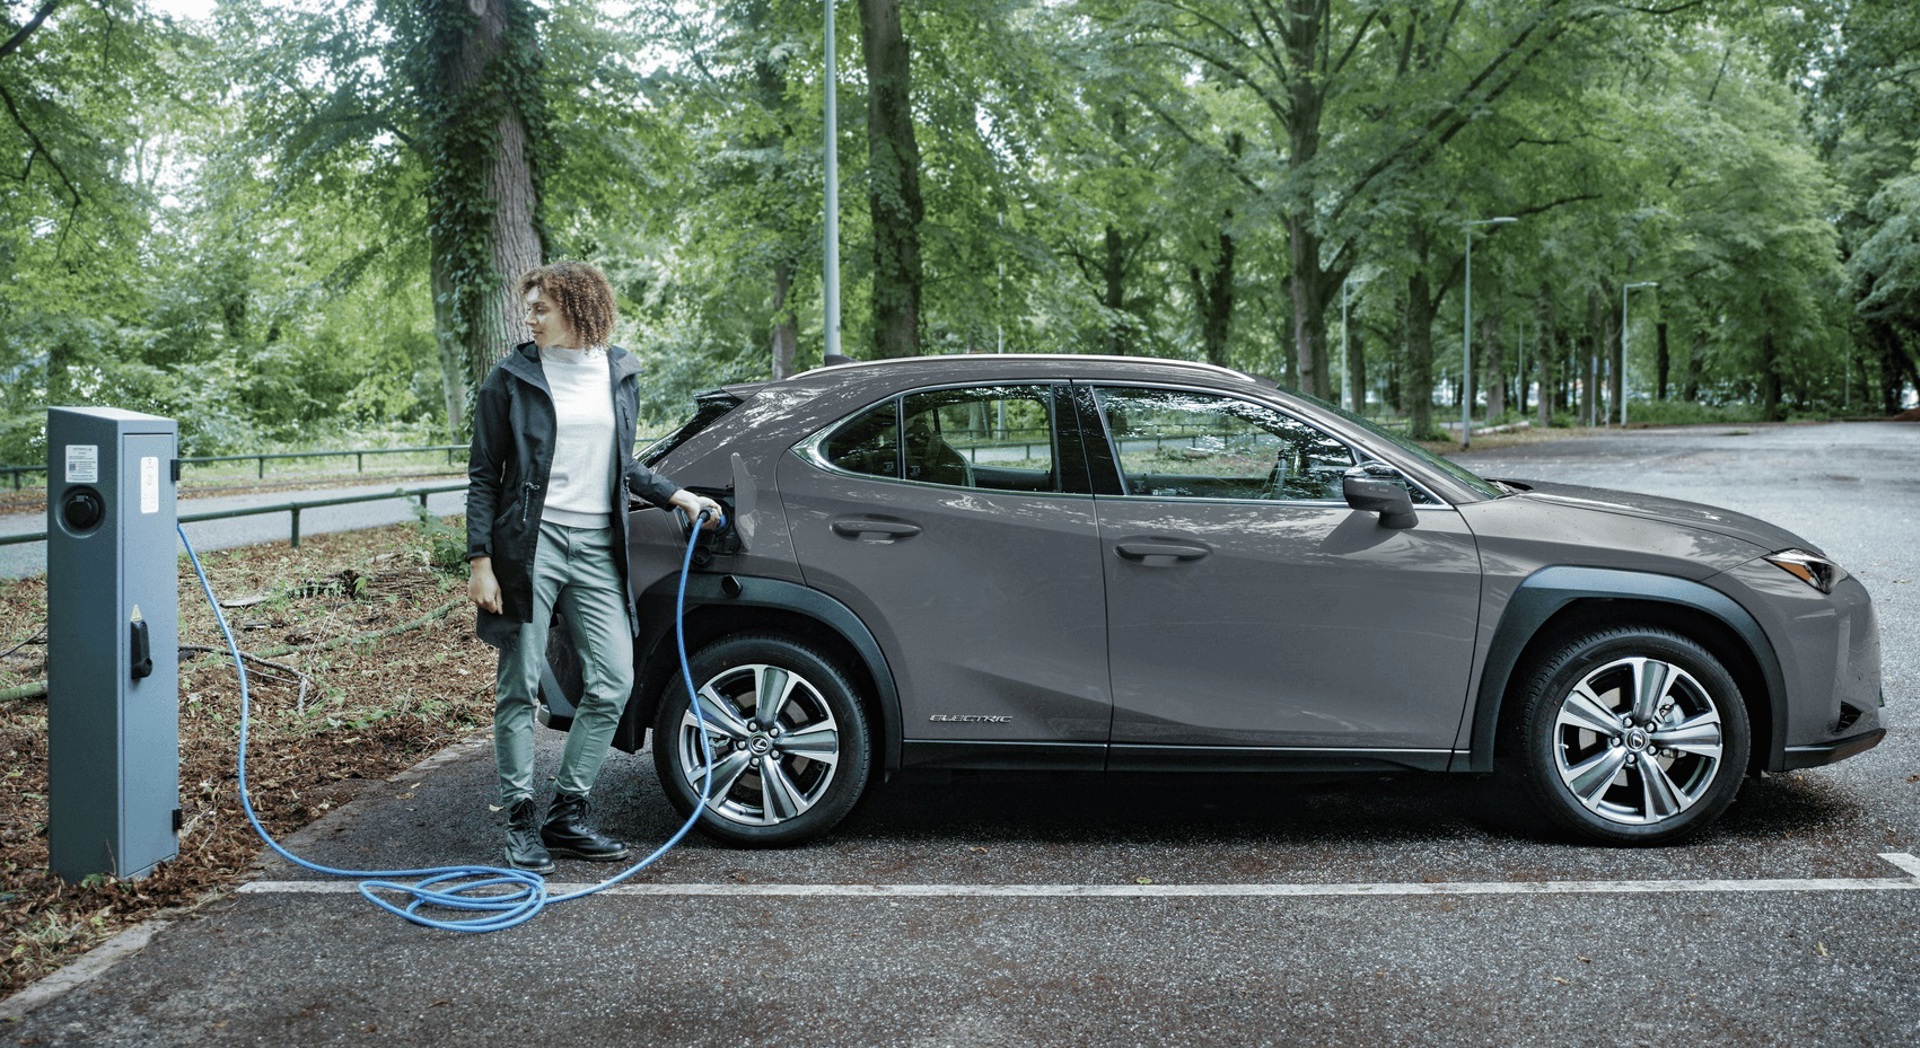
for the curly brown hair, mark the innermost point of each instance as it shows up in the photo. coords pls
(580, 293)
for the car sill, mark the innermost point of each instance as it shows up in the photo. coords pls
(1125, 757)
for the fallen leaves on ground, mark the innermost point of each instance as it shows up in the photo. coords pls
(366, 710)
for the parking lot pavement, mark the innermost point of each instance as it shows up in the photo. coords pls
(1196, 910)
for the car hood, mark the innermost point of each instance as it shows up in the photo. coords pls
(1770, 537)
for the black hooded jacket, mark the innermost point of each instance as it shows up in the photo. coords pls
(507, 468)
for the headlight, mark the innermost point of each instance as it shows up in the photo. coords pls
(1810, 568)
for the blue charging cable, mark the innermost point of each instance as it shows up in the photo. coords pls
(500, 897)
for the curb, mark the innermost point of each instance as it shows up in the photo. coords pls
(91, 965)
(102, 958)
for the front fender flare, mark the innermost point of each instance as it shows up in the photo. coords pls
(1549, 591)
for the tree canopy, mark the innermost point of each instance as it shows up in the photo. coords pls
(296, 221)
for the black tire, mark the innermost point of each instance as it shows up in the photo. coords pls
(764, 793)
(1621, 771)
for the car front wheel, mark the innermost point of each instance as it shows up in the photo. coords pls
(784, 736)
(1633, 735)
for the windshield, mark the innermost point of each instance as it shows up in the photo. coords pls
(1451, 469)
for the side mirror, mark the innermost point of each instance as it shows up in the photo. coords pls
(1375, 487)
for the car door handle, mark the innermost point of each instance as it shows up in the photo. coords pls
(1158, 553)
(864, 527)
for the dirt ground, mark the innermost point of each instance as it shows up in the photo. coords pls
(366, 662)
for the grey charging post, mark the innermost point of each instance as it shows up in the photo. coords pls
(113, 671)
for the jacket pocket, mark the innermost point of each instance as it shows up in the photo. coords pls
(527, 488)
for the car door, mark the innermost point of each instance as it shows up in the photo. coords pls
(952, 523)
(1250, 607)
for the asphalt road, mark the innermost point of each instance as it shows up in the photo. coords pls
(1192, 911)
(30, 558)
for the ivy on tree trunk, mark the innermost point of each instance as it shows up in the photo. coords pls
(478, 74)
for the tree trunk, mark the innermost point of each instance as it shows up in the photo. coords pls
(482, 198)
(1770, 407)
(1213, 290)
(1590, 381)
(1418, 380)
(893, 182)
(1662, 362)
(776, 140)
(1307, 289)
(786, 329)
(1544, 351)
(1494, 360)
(1308, 284)
(1113, 291)
(1696, 366)
(1884, 340)
(1213, 296)
(453, 368)
(1617, 353)
(1357, 373)
(1519, 387)
(60, 373)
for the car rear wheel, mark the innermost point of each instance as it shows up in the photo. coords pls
(787, 739)
(1632, 735)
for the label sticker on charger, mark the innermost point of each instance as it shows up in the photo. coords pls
(149, 484)
(83, 463)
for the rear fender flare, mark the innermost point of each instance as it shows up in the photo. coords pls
(659, 659)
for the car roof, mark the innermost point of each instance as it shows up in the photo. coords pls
(964, 367)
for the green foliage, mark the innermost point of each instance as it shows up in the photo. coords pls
(273, 226)
(1686, 413)
(446, 544)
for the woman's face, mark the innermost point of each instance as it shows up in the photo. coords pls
(548, 324)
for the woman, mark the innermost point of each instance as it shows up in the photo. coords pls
(548, 478)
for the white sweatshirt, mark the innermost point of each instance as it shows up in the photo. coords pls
(580, 487)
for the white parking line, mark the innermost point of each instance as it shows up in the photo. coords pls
(1903, 860)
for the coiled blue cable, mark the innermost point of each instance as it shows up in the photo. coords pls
(472, 888)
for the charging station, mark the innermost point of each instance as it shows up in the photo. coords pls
(113, 670)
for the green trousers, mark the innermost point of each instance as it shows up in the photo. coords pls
(574, 573)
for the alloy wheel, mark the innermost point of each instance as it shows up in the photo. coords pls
(774, 744)
(1638, 741)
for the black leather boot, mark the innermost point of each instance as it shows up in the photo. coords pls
(524, 850)
(566, 832)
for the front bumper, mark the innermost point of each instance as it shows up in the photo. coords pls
(1828, 651)
(1826, 753)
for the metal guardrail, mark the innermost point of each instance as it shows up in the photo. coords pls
(359, 456)
(293, 508)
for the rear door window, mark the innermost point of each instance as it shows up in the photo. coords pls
(1001, 438)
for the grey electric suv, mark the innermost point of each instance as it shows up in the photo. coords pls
(1121, 564)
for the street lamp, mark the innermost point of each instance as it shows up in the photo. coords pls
(1623, 343)
(831, 261)
(1466, 335)
(1346, 362)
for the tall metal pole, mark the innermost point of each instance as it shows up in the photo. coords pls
(831, 279)
(1466, 336)
(1624, 288)
(1346, 363)
(1466, 352)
